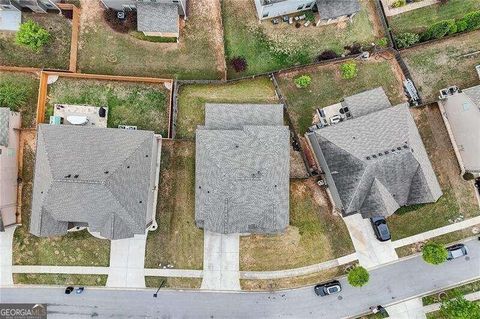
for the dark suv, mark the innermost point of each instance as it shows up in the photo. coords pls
(380, 228)
(328, 288)
(457, 251)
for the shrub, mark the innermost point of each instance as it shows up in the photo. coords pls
(327, 55)
(462, 25)
(349, 70)
(310, 16)
(460, 308)
(439, 30)
(303, 81)
(472, 20)
(354, 48)
(399, 3)
(12, 96)
(123, 26)
(383, 42)
(239, 64)
(407, 39)
(32, 35)
(358, 276)
(434, 253)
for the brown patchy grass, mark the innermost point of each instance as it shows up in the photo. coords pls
(177, 241)
(175, 283)
(458, 195)
(60, 279)
(314, 235)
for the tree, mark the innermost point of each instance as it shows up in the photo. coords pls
(434, 253)
(12, 96)
(349, 70)
(303, 81)
(406, 39)
(460, 308)
(32, 35)
(358, 276)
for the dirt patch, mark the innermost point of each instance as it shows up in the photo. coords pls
(297, 166)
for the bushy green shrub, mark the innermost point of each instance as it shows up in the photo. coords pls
(399, 3)
(406, 39)
(32, 35)
(439, 30)
(303, 81)
(462, 25)
(358, 276)
(12, 96)
(460, 308)
(349, 70)
(382, 42)
(473, 20)
(434, 253)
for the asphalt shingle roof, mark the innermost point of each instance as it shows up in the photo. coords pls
(377, 162)
(367, 102)
(157, 17)
(242, 169)
(100, 176)
(332, 9)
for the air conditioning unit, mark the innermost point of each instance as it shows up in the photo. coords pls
(128, 127)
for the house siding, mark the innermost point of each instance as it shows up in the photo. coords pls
(120, 4)
(281, 8)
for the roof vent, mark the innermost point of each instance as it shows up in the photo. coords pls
(106, 172)
(393, 150)
(75, 176)
(374, 156)
(399, 148)
(68, 176)
(380, 154)
(368, 158)
(386, 152)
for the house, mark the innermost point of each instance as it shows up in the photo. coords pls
(9, 144)
(461, 113)
(100, 178)
(154, 18)
(11, 11)
(328, 10)
(242, 169)
(374, 162)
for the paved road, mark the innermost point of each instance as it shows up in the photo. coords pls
(388, 284)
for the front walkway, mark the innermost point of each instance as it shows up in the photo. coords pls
(6, 242)
(221, 261)
(370, 251)
(127, 260)
(410, 309)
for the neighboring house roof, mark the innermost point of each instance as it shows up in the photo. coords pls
(4, 125)
(462, 112)
(242, 169)
(157, 17)
(10, 20)
(376, 163)
(332, 9)
(97, 176)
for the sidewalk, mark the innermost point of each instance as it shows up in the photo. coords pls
(410, 309)
(6, 242)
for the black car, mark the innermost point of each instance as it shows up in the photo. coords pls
(69, 290)
(328, 288)
(457, 251)
(380, 228)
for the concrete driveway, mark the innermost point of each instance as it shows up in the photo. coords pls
(370, 251)
(6, 242)
(221, 263)
(127, 259)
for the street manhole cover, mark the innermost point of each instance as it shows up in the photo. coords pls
(340, 297)
(467, 258)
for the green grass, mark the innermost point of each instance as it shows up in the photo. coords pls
(328, 87)
(60, 279)
(74, 249)
(452, 293)
(141, 36)
(54, 55)
(143, 105)
(174, 283)
(192, 99)
(268, 47)
(438, 65)
(420, 19)
(437, 315)
(315, 235)
(29, 84)
(177, 241)
(105, 51)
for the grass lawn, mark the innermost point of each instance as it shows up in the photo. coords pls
(60, 279)
(268, 47)
(73, 249)
(452, 293)
(438, 315)
(314, 235)
(29, 84)
(175, 283)
(294, 282)
(198, 55)
(143, 105)
(328, 87)
(192, 99)
(419, 20)
(438, 65)
(177, 241)
(458, 195)
(54, 55)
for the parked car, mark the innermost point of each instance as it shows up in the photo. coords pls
(69, 290)
(457, 251)
(328, 288)
(380, 228)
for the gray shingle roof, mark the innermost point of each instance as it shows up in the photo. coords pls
(376, 163)
(100, 176)
(242, 170)
(367, 102)
(332, 9)
(4, 125)
(157, 17)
